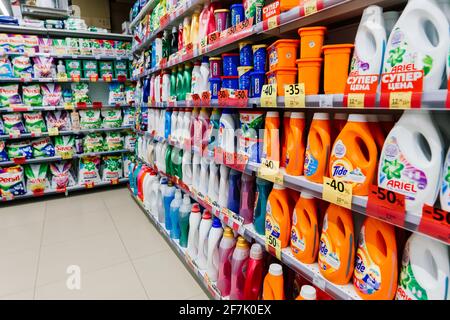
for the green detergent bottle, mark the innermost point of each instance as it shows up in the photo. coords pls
(180, 84)
(176, 158)
(173, 83)
(187, 79)
(169, 167)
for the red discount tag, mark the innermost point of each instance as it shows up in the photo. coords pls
(97, 105)
(229, 158)
(436, 223)
(89, 185)
(121, 78)
(308, 7)
(75, 78)
(61, 189)
(107, 77)
(93, 78)
(213, 38)
(241, 162)
(164, 21)
(163, 63)
(81, 105)
(20, 160)
(240, 99)
(223, 96)
(386, 205)
(218, 155)
(115, 181)
(206, 99)
(244, 27)
(196, 99)
(361, 90)
(271, 16)
(20, 109)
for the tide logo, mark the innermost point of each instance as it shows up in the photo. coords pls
(340, 169)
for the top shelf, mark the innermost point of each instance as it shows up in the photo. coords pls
(63, 33)
(151, 4)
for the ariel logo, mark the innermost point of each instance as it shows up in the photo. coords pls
(90, 114)
(447, 177)
(112, 164)
(396, 56)
(393, 169)
(427, 64)
(89, 166)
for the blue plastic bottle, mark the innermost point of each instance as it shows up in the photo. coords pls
(234, 190)
(169, 195)
(168, 123)
(135, 174)
(263, 189)
(175, 215)
(145, 90)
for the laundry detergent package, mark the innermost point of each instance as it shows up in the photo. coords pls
(31, 44)
(67, 96)
(13, 123)
(249, 142)
(32, 96)
(4, 43)
(97, 47)
(112, 168)
(61, 175)
(130, 142)
(59, 47)
(112, 118)
(116, 94)
(22, 67)
(12, 182)
(90, 68)
(106, 68)
(73, 68)
(90, 119)
(3, 153)
(6, 70)
(109, 48)
(93, 142)
(34, 122)
(43, 67)
(43, 148)
(2, 127)
(9, 95)
(80, 92)
(45, 45)
(21, 149)
(114, 141)
(89, 170)
(129, 93)
(64, 146)
(58, 119)
(16, 43)
(120, 68)
(85, 46)
(52, 94)
(73, 46)
(128, 117)
(36, 177)
(127, 159)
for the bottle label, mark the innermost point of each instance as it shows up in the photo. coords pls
(272, 227)
(328, 255)
(409, 288)
(445, 194)
(311, 163)
(367, 275)
(397, 174)
(297, 240)
(342, 168)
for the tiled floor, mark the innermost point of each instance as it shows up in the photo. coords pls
(103, 235)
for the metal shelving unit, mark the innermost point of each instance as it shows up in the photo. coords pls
(151, 4)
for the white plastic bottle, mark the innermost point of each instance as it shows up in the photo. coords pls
(413, 41)
(158, 88)
(196, 78)
(201, 126)
(186, 168)
(204, 176)
(205, 227)
(150, 118)
(212, 262)
(196, 171)
(162, 123)
(204, 72)
(187, 119)
(161, 192)
(165, 92)
(149, 179)
(226, 139)
(173, 123)
(154, 204)
(410, 167)
(194, 223)
(213, 183)
(223, 186)
(390, 19)
(179, 128)
(307, 293)
(370, 42)
(425, 270)
(445, 184)
(162, 160)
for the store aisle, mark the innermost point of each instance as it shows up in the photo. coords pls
(119, 252)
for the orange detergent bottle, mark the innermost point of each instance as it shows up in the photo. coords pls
(318, 148)
(280, 205)
(337, 245)
(295, 149)
(354, 155)
(376, 273)
(273, 287)
(272, 136)
(286, 132)
(339, 121)
(376, 131)
(305, 230)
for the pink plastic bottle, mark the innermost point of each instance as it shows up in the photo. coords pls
(239, 263)
(180, 36)
(226, 248)
(207, 21)
(254, 279)
(246, 208)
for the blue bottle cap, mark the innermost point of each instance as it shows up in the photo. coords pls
(216, 223)
(205, 59)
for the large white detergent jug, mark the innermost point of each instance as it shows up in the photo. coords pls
(179, 128)
(173, 124)
(420, 37)
(196, 171)
(149, 180)
(194, 223)
(425, 270)
(227, 139)
(158, 150)
(411, 160)
(154, 197)
(213, 183)
(187, 119)
(390, 19)
(212, 261)
(205, 227)
(370, 42)
(161, 191)
(204, 176)
(186, 167)
(223, 186)
(445, 184)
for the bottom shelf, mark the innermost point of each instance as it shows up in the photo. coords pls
(200, 276)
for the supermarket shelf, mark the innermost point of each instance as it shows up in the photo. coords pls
(66, 191)
(44, 13)
(62, 133)
(30, 109)
(51, 80)
(54, 159)
(310, 272)
(208, 287)
(71, 56)
(151, 4)
(63, 33)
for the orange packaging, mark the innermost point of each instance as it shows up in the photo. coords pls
(285, 134)
(311, 41)
(318, 148)
(376, 273)
(281, 77)
(282, 54)
(354, 155)
(295, 149)
(280, 205)
(286, 5)
(337, 59)
(309, 74)
(305, 230)
(273, 287)
(272, 136)
(339, 122)
(337, 245)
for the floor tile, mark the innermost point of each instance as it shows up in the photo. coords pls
(77, 226)
(117, 197)
(89, 253)
(21, 214)
(70, 206)
(201, 296)
(18, 272)
(21, 238)
(165, 277)
(24, 295)
(113, 283)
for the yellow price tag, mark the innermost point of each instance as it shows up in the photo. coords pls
(68, 106)
(400, 100)
(269, 96)
(294, 95)
(355, 100)
(337, 192)
(270, 170)
(310, 6)
(62, 78)
(53, 132)
(36, 131)
(272, 22)
(66, 155)
(272, 242)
